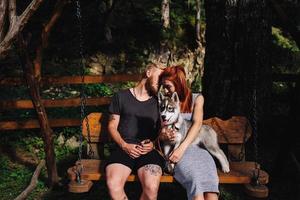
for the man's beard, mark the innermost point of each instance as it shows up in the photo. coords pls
(149, 85)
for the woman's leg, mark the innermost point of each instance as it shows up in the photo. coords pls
(210, 196)
(198, 197)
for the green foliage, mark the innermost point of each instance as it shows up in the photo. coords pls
(197, 85)
(283, 40)
(285, 54)
(15, 178)
(71, 131)
(228, 192)
(100, 89)
(34, 145)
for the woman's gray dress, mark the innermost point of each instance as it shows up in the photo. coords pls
(196, 171)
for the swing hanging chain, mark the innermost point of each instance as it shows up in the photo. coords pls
(256, 172)
(78, 170)
(82, 94)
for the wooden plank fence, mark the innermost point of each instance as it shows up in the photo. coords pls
(75, 102)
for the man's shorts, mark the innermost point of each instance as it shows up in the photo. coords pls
(119, 156)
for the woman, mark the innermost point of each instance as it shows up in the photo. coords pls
(195, 168)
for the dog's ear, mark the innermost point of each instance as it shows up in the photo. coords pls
(160, 97)
(175, 97)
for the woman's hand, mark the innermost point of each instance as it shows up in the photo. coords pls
(133, 150)
(177, 154)
(146, 146)
(167, 134)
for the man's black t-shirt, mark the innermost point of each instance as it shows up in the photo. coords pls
(139, 120)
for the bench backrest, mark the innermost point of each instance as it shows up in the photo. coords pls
(233, 132)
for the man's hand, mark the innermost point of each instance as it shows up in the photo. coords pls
(133, 150)
(146, 146)
(167, 134)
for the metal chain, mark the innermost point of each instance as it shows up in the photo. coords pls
(82, 94)
(255, 135)
(256, 172)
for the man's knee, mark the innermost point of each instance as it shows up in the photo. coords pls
(114, 183)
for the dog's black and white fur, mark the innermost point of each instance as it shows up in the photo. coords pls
(170, 118)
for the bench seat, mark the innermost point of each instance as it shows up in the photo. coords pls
(241, 172)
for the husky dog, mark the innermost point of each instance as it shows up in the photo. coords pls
(170, 118)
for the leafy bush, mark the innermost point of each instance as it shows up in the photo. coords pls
(100, 89)
(15, 178)
(283, 40)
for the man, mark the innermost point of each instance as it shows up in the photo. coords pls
(133, 125)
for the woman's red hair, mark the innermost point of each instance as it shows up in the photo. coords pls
(177, 76)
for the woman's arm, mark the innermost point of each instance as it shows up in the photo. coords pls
(196, 122)
(193, 130)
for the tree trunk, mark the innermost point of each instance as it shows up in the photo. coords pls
(110, 5)
(165, 13)
(237, 60)
(198, 23)
(33, 85)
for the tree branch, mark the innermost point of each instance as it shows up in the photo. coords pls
(12, 11)
(165, 13)
(32, 7)
(45, 35)
(3, 12)
(17, 23)
(33, 182)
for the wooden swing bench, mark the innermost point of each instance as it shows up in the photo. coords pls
(233, 133)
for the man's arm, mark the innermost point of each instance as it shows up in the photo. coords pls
(131, 149)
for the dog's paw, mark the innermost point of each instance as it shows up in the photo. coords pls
(225, 169)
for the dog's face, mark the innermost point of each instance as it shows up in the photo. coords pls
(169, 108)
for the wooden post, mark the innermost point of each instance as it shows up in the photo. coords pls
(33, 85)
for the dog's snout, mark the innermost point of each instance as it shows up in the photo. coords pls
(163, 117)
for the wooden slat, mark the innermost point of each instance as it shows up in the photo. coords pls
(50, 103)
(234, 135)
(29, 124)
(240, 173)
(61, 80)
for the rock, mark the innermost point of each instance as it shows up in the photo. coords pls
(72, 142)
(94, 59)
(109, 70)
(61, 139)
(96, 68)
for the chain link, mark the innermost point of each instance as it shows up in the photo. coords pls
(82, 93)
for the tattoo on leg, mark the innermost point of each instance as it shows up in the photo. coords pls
(154, 170)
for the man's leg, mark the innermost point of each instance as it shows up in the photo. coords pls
(149, 176)
(116, 176)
